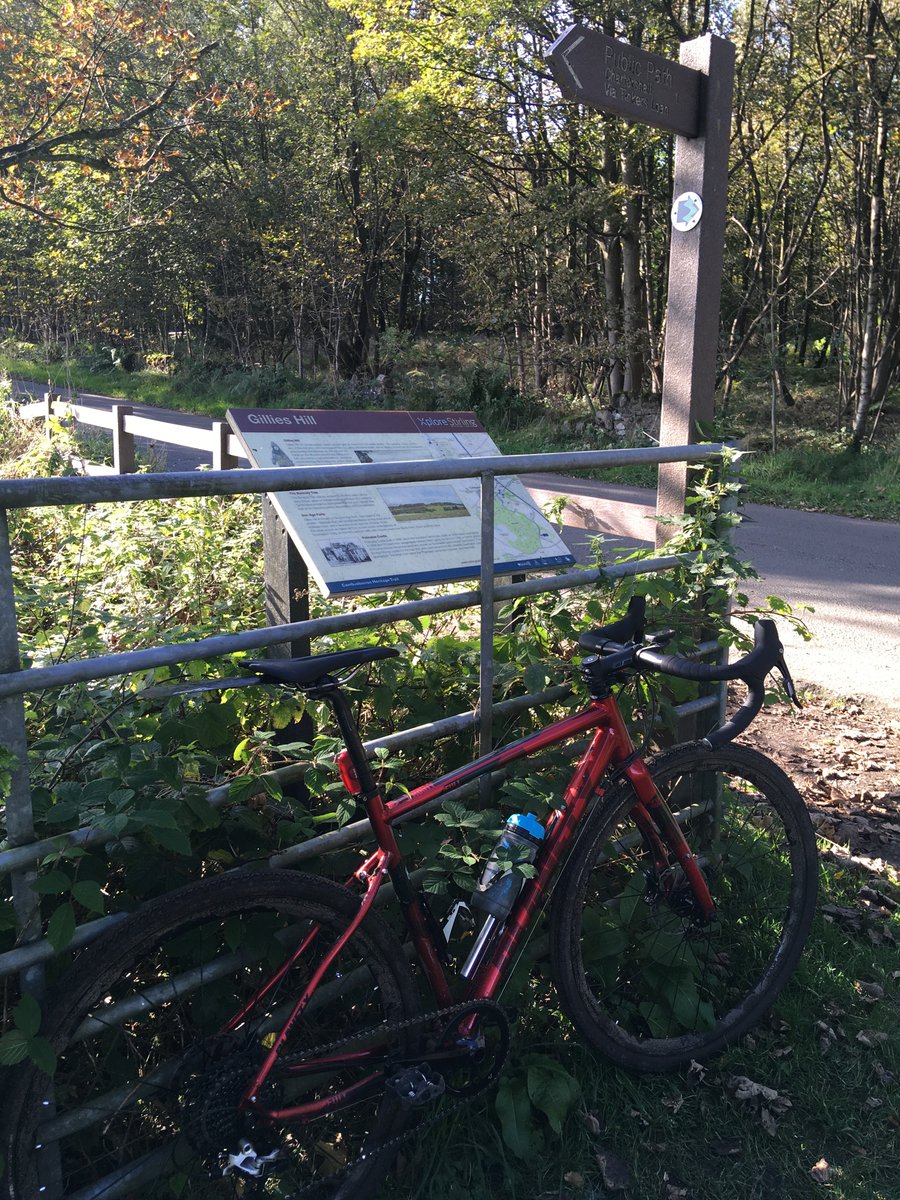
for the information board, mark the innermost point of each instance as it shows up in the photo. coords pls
(361, 539)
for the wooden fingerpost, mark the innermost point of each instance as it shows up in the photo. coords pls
(692, 99)
(696, 254)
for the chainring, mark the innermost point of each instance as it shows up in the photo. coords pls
(482, 1048)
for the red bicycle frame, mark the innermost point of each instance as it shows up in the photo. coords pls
(610, 747)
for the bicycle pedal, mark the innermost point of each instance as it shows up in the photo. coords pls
(416, 1086)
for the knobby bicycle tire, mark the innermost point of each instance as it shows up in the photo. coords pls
(148, 1096)
(645, 979)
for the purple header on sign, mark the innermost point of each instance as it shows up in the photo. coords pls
(319, 420)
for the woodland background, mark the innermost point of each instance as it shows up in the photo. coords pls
(306, 186)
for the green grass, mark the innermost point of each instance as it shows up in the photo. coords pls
(827, 479)
(143, 387)
(681, 1132)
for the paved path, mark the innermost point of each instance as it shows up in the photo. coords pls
(847, 569)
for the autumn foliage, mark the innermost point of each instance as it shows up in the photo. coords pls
(96, 83)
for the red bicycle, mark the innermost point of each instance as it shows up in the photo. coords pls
(269, 1030)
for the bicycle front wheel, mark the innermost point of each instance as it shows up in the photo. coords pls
(648, 980)
(146, 1098)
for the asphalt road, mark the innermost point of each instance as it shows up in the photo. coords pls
(847, 570)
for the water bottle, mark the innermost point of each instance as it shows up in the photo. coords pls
(500, 883)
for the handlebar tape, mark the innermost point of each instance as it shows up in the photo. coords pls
(629, 628)
(752, 670)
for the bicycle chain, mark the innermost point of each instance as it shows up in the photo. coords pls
(416, 1128)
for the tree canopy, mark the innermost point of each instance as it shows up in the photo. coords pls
(273, 181)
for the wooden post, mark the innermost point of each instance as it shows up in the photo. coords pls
(692, 99)
(222, 458)
(695, 267)
(286, 582)
(123, 442)
(287, 600)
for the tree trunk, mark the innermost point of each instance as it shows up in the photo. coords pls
(873, 280)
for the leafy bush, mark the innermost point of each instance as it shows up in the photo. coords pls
(96, 359)
(164, 363)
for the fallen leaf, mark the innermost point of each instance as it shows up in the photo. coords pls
(674, 1191)
(767, 1121)
(767, 1101)
(573, 1179)
(871, 1037)
(592, 1123)
(615, 1171)
(872, 1102)
(821, 1171)
(885, 1077)
(874, 895)
(746, 1089)
(870, 991)
(827, 1037)
(696, 1073)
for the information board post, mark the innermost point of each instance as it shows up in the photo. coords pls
(695, 268)
(286, 583)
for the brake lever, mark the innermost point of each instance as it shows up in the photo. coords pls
(788, 682)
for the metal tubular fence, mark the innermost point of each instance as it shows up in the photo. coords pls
(24, 851)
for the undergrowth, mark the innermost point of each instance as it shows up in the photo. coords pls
(810, 466)
(830, 1050)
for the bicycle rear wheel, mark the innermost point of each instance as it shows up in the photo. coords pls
(643, 976)
(144, 1102)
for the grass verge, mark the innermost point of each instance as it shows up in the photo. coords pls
(831, 1047)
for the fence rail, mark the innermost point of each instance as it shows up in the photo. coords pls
(126, 425)
(24, 850)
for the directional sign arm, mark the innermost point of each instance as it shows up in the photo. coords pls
(612, 76)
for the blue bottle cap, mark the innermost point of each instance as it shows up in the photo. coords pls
(527, 823)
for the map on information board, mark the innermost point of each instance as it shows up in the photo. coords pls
(362, 539)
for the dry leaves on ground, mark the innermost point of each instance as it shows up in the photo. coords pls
(768, 1103)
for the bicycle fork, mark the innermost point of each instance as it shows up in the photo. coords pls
(665, 839)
